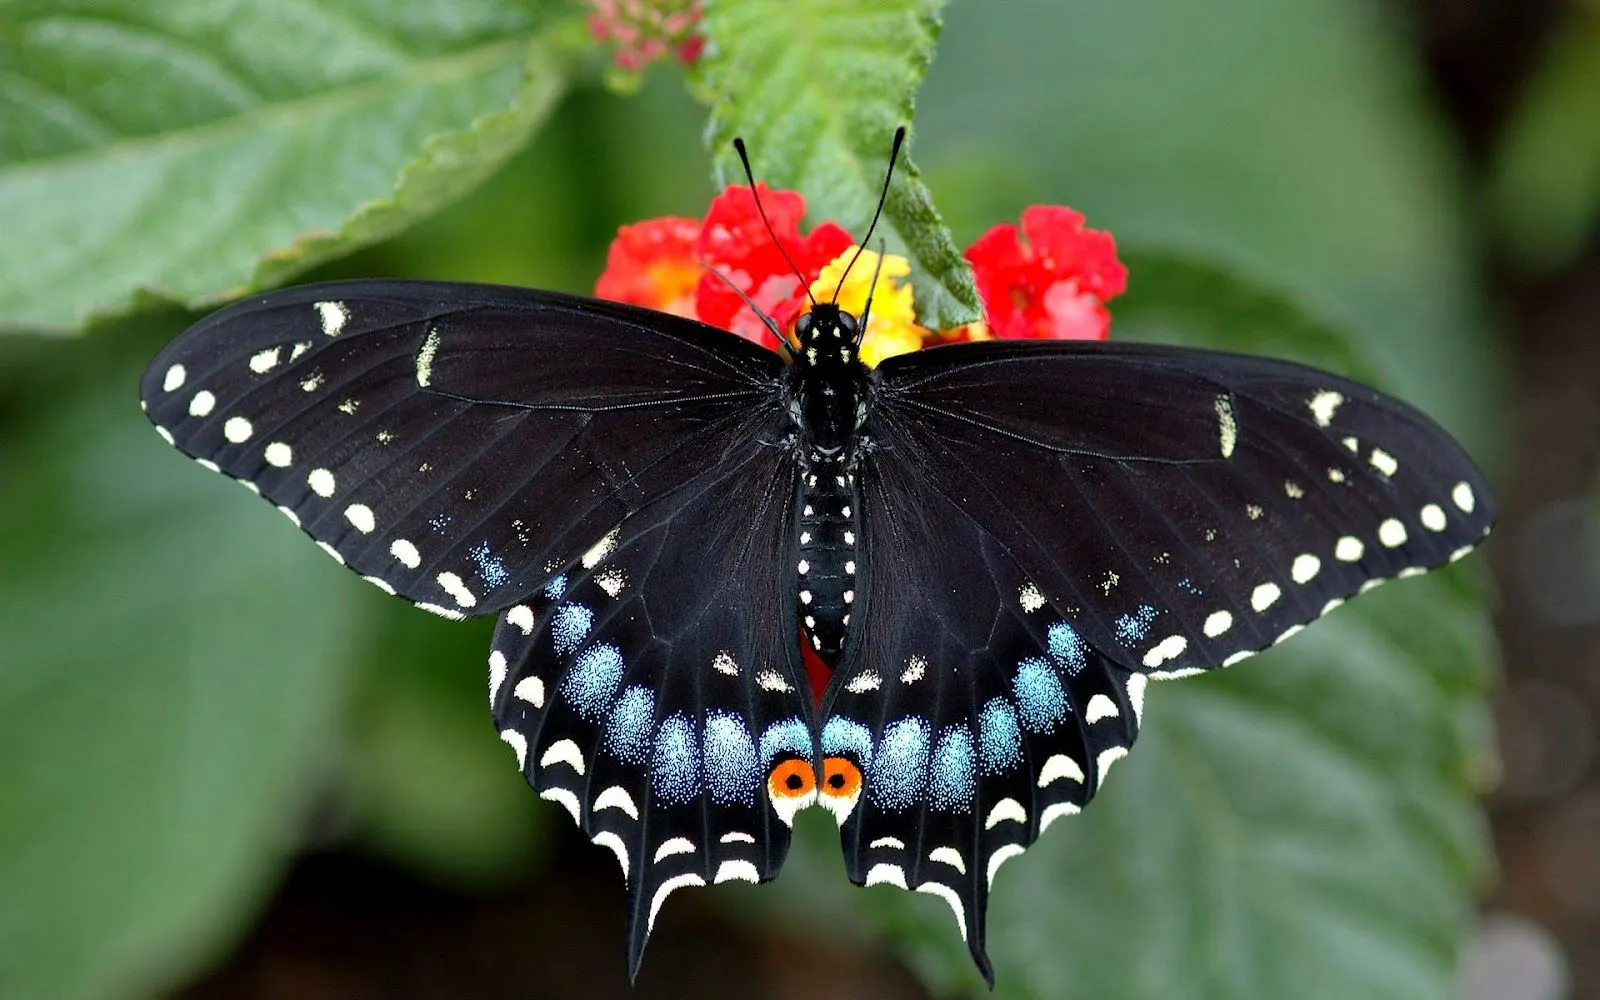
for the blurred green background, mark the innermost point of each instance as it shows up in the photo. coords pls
(228, 768)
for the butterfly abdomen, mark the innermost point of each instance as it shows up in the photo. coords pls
(827, 560)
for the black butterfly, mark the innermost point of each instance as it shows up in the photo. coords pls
(995, 547)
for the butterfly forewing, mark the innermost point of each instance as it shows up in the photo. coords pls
(448, 441)
(1186, 508)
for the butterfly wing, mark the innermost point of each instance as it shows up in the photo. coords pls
(653, 690)
(1045, 528)
(453, 443)
(572, 463)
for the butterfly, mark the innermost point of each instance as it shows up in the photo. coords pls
(994, 547)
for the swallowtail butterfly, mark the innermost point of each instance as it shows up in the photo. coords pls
(994, 546)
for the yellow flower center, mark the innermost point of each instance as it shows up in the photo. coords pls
(892, 328)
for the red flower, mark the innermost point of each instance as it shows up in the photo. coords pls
(1053, 286)
(735, 244)
(654, 264)
(1050, 281)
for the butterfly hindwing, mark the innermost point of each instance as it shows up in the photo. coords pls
(976, 715)
(446, 441)
(654, 688)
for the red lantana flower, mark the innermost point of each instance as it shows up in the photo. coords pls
(1051, 280)
(645, 30)
(1053, 286)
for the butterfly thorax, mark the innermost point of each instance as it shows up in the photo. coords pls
(828, 406)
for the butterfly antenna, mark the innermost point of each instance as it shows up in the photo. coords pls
(883, 196)
(749, 174)
(783, 342)
(866, 310)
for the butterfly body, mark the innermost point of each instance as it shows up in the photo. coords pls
(1003, 544)
(830, 401)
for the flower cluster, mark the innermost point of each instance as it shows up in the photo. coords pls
(645, 30)
(1050, 280)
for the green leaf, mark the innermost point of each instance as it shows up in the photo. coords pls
(816, 88)
(173, 670)
(192, 151)
(1545, 183)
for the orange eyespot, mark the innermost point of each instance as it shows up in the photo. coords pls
(792, 779)
(840, 778)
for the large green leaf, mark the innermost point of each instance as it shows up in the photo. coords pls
(192, 150)
(816, 88)
(170, 671)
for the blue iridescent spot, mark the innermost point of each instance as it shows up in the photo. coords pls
(844, 735)
(900, 764)
(675, 764)
(1067, 647)
(999, 739)
(1132, 629)
(954, 770)
(439, 522)
(787, 736)
(1188, 585)
(1042, 703)
(570, 625)
(556, 588)
(730, 760)
(628, 732)
(490, 566)
(592, 680)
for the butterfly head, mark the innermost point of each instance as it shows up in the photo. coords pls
(828, 333)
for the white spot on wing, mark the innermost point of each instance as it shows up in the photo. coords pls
(894, 843)
(1100, 707)
(948, 856)
(522, 617)
(676, 845)
(568, 801)
(264, 361)
(530, 690)
(457, 590)
(737, 868)
(174, 378)
(406, 552)
(563, 752)
(1136, 686)
(884, 873)
(1032, 600)
(517, 742)
(1462, 496)
(1217, 623)
(166, 435)
(867, 680)
(950, 896)
(278, 454)
(771, 680)
(330, 550)
(202, 404)
(1108, 757)
(311, 383)
(360, 515)
(737, 837)
(1324, 405)
(1305, 569)
(1002, 854)
(1006, 810)
(1060, 766)
(608, 839)
(497, 674)
(616, 797)
(1392, 533)
(612, 581)
(667, 888)
(601, 549)
(1384, 462)
(724, 663)
(434, 609)
(1348, 549)
(1167, 649)
(425, 356)
(1227, 427)
(916, 667)
(1055, 812)
(1433, 517)
(334, 315)
(1265, 596)
(382, 585)
(321, 482)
